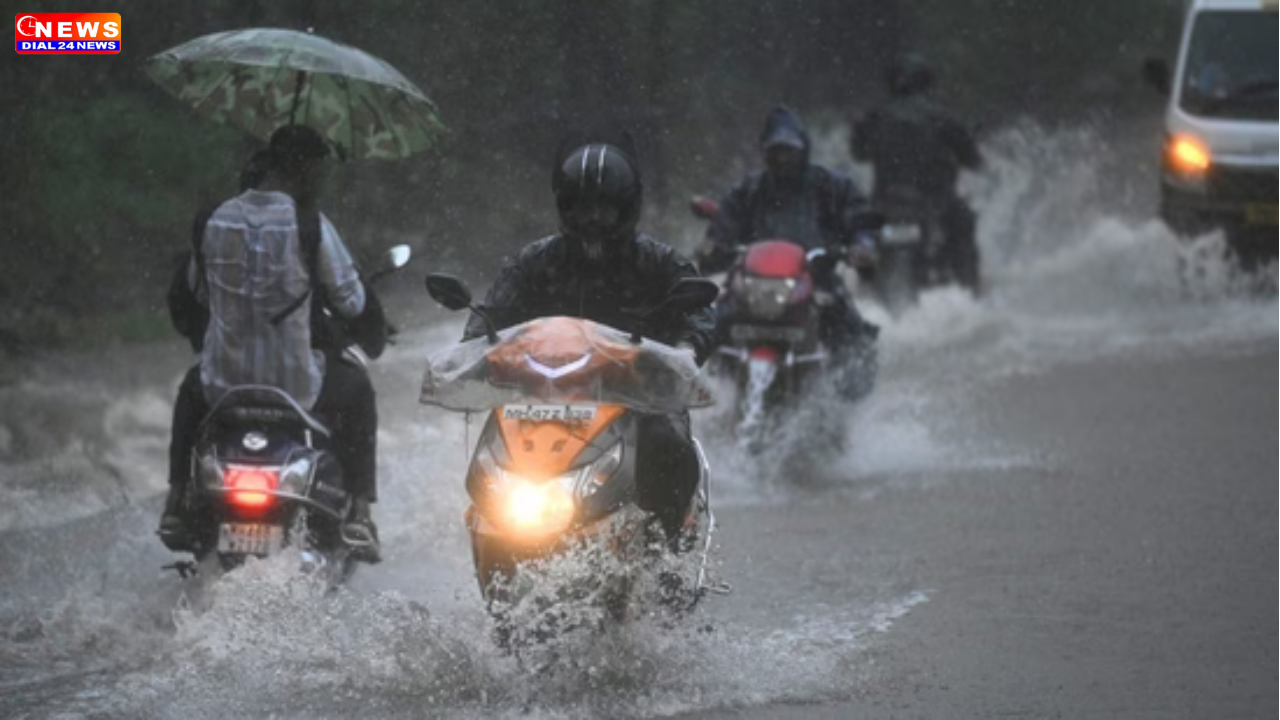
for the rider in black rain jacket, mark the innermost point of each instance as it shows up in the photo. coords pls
(814, 207)
(600, 268)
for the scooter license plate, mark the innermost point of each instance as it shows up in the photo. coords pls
(900, 234)
(249, 538)
(550, 413)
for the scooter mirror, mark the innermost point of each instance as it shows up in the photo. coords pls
(393, 259)
(820, 261)
(449, 291)
(704, 208)
(397, 257)
(690, 294)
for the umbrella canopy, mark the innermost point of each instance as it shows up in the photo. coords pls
(263, 79)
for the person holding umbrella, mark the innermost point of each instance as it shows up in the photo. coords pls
(268, 259)
(267, 262)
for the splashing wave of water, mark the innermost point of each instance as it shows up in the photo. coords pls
(1074, 272)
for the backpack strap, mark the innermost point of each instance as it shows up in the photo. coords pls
(309, 234)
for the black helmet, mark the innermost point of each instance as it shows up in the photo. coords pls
(909, 75)
(593, 176)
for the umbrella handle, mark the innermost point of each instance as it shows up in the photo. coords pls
(297, 95)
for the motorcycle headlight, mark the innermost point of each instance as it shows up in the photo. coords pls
(767, 298)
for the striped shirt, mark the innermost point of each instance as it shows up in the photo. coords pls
(254, 270)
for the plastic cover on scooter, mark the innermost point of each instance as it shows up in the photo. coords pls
(564, 360)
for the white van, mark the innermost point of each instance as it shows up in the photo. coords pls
(1221, 131)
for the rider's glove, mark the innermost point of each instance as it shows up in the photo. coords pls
(862, 251)
(688, 348)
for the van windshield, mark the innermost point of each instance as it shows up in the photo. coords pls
(1231, 64)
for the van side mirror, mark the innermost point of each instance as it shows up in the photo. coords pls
(1155, 72)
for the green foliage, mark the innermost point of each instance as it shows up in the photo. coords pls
(117, 168)
(112, 184)
(106, 171)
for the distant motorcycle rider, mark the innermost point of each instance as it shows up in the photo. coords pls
(599, 267)
(815, 207)
(914, 145)
(264, 265)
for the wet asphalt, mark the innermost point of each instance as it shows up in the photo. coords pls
(1126, 571)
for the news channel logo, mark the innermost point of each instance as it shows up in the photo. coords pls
(67, 33)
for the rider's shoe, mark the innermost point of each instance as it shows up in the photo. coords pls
(361, 532)
(173, 527)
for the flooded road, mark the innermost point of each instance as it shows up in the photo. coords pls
(1058, 501)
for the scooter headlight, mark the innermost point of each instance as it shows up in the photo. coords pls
(539, 508)
(546, 506)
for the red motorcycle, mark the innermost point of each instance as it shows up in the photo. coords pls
(769, 340)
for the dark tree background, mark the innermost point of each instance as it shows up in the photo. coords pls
(103, 171)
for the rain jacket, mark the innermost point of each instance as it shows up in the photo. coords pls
(913, 143)
(552, 276)
(817, 210)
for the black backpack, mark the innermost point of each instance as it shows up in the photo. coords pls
(189, 317)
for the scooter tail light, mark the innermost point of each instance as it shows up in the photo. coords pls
(251, 487)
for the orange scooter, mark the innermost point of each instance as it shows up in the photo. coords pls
(554, 466)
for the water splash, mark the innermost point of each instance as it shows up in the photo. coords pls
(1075, 269)
(89, 625)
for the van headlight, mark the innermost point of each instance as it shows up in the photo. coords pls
(1186, 161)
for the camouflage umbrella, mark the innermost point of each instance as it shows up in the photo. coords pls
(262, 79)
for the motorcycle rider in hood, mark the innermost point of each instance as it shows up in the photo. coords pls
(914, 144)
(599, 267)
(815, 207)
